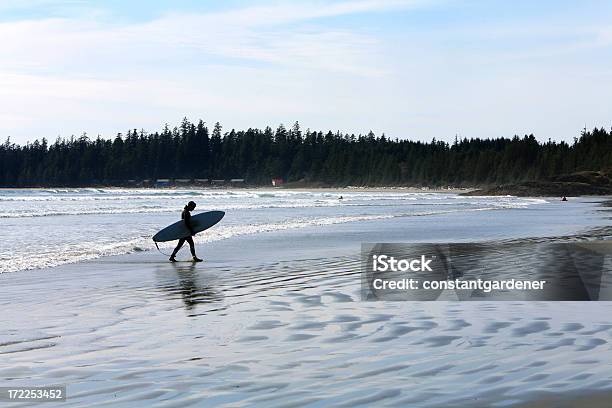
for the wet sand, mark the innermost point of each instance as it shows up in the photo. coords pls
(277, 320)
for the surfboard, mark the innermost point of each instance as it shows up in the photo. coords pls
(199, 222)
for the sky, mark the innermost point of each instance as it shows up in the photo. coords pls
(413, 69)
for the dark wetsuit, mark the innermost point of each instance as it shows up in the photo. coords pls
(186, 216)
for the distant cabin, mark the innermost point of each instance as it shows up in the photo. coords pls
(237, 181)
(182, 181)
(162, 182)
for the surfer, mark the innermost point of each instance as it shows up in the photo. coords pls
(186, 217)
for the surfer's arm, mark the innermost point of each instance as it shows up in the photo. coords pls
(187, 220)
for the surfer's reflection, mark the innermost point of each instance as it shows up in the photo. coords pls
(184, 280)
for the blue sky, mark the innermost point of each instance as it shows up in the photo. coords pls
(414, 69)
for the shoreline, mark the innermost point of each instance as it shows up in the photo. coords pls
(263, 188)
(577, 184)
(142, 243)
(467, 191)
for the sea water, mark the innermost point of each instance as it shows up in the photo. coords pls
(49, 227)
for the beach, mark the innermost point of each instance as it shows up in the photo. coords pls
(274, 316)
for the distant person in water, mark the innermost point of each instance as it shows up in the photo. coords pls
(186, 216)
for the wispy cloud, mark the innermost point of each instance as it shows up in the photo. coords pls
(266, 34)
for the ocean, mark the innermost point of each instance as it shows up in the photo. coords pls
(50, 227)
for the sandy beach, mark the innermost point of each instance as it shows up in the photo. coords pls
(276, 319)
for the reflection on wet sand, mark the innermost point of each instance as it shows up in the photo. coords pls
(186, 280)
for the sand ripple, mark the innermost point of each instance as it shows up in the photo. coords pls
(291, 333)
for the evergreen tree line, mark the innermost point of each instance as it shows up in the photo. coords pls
(192, 151)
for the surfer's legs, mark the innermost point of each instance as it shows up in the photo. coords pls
(191, 246)
(179, 245)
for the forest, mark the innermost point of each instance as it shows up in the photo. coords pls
(192, 150)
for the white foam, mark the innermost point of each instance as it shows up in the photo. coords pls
(53, 244)
(59, 255)
(42, 203)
